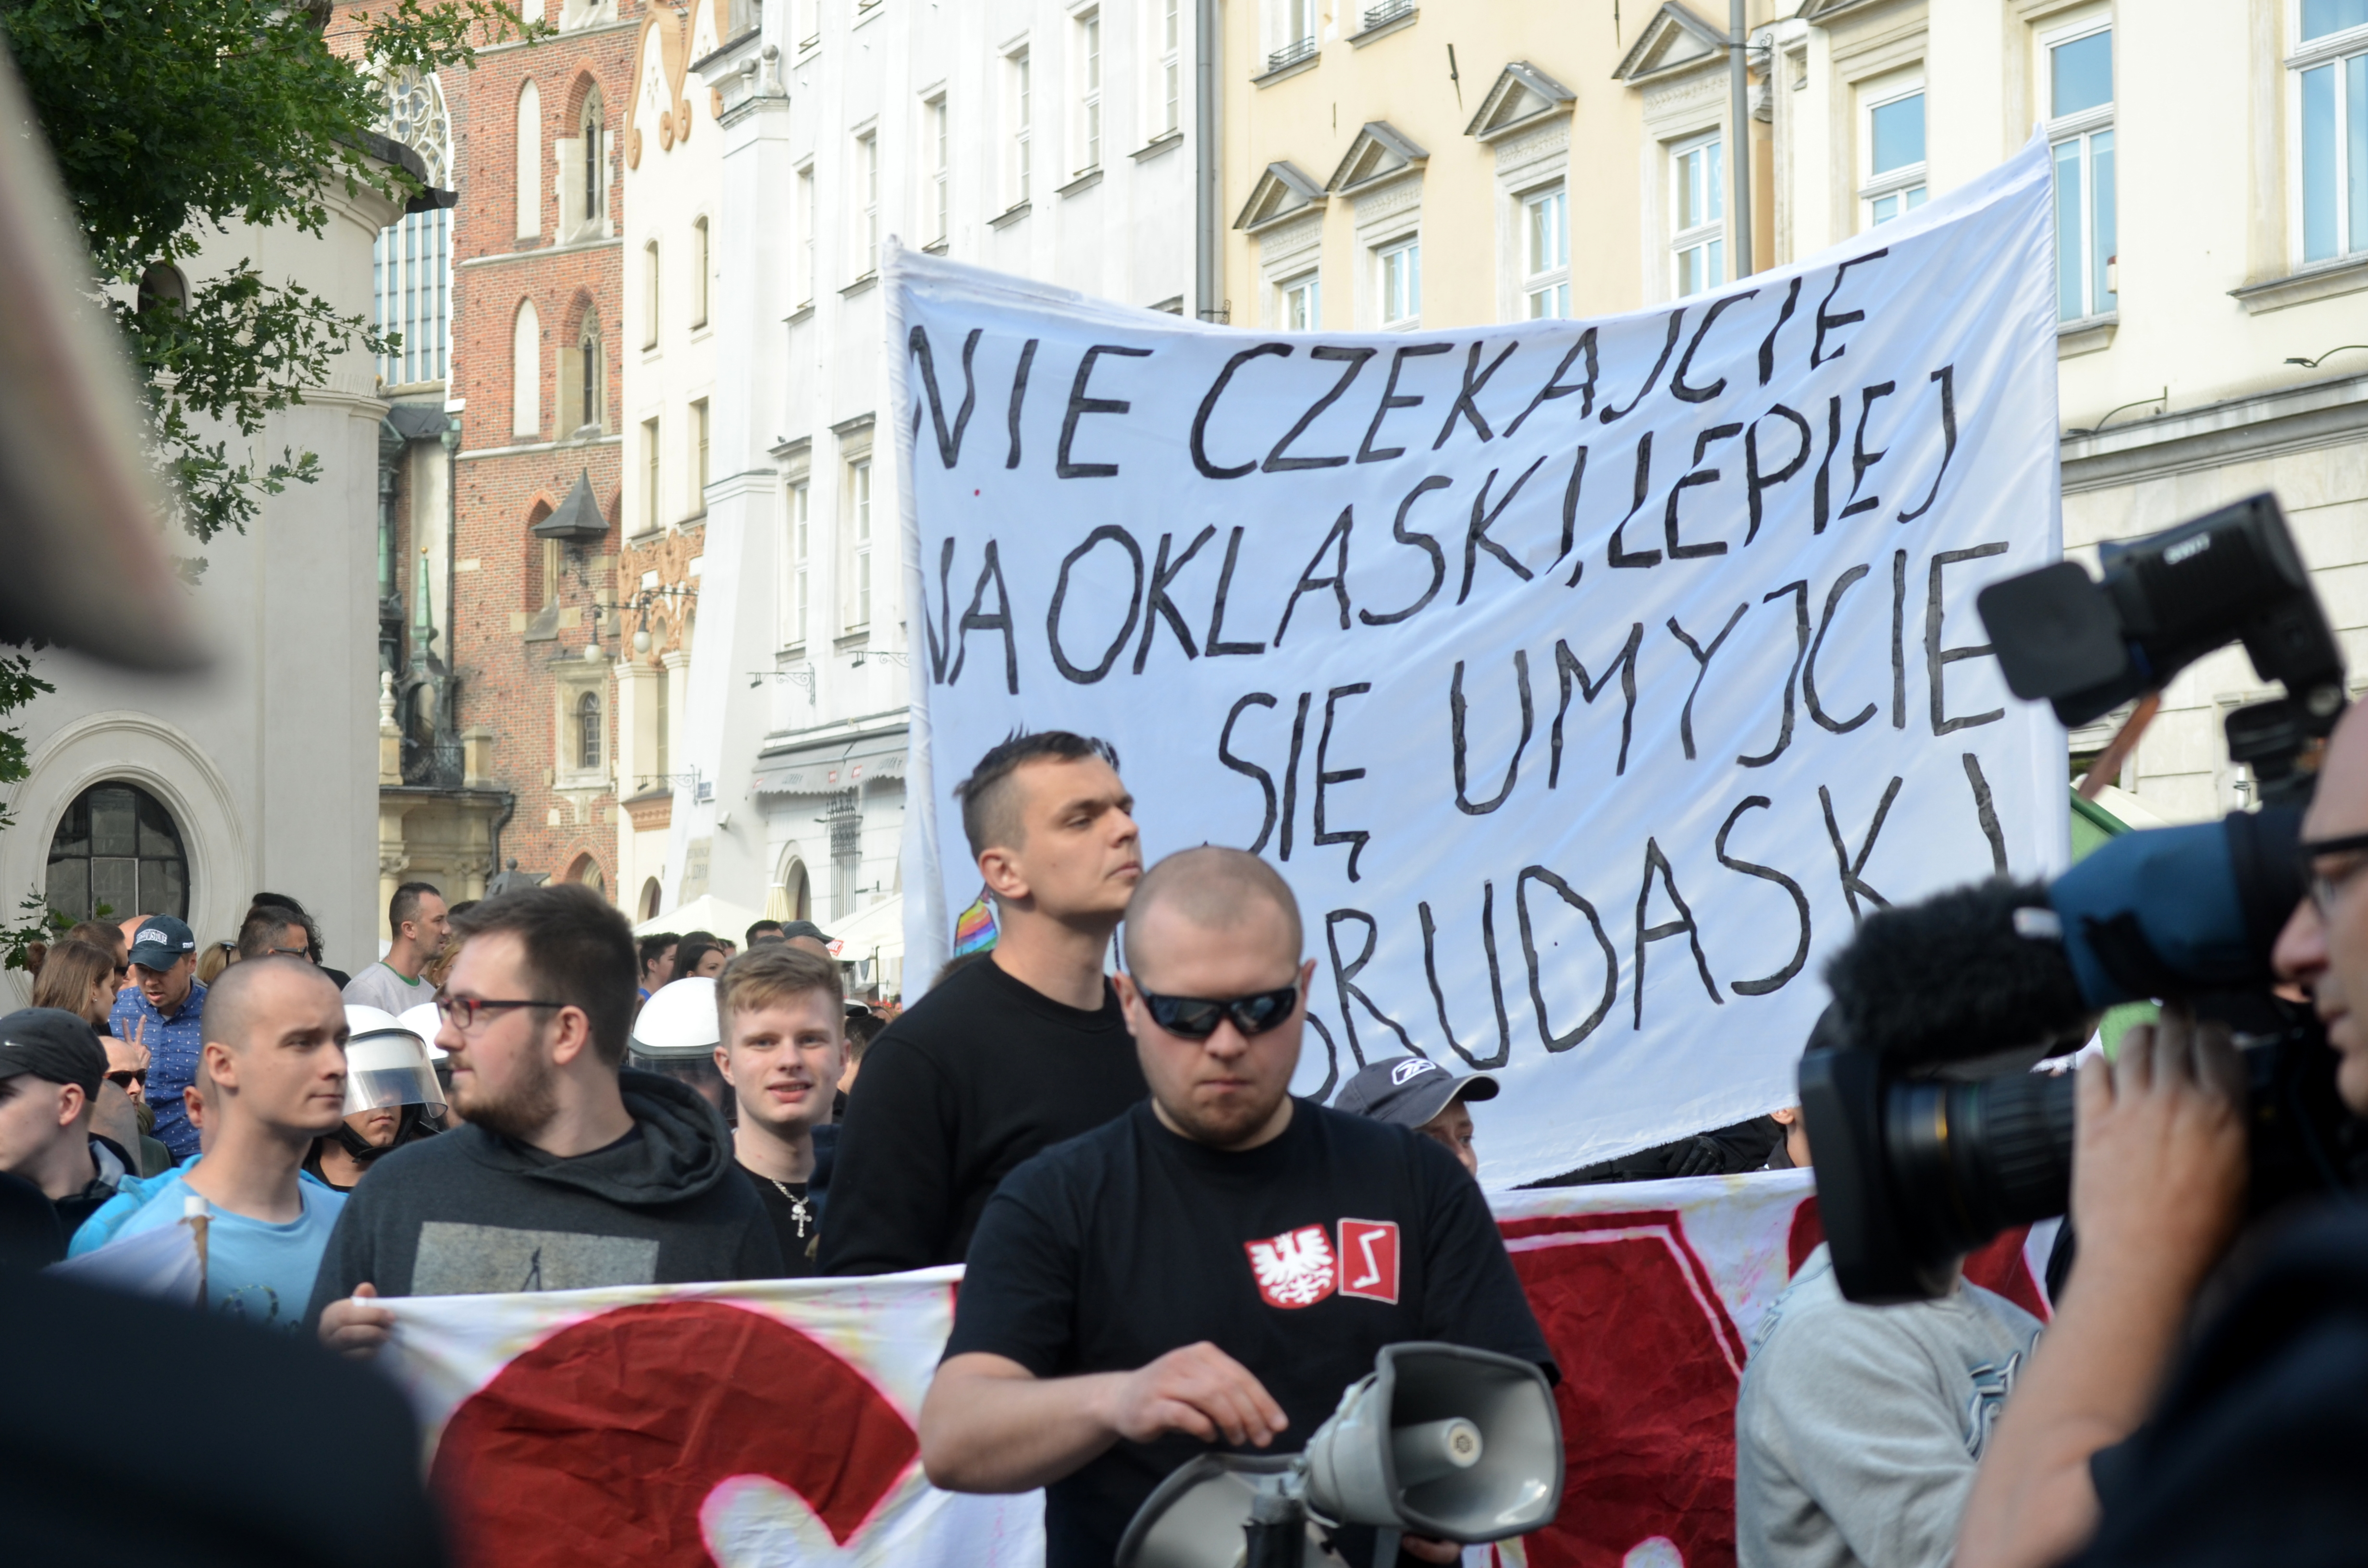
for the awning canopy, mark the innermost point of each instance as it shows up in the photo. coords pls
(829, 767)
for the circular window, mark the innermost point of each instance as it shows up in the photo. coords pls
(115, 855)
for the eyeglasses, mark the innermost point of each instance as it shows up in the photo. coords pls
(2322, 885)
(1197, 1017)
(305, 953)
(125, 1077)
(462, 1012)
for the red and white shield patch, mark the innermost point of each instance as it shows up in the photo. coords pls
(1295, 1269)
(1368, 1260)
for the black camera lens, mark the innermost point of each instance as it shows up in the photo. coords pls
(1969, 1160)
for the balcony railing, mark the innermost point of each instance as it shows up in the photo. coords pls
(435, 765)
(1292, 53)
(1387, 11)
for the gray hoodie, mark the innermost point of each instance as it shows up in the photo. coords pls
(472, 1213)
(1859, 1427)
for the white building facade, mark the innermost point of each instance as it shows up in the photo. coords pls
(1042, 139)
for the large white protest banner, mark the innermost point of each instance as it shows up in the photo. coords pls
(1586, 679)
(770, 1425)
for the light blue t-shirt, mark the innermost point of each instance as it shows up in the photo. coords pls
(256, 1271)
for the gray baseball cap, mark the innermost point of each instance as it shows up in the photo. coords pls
(1410, 1090)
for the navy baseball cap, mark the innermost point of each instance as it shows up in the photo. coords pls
(160, 942)
(1410, 1090)
(51, 1043)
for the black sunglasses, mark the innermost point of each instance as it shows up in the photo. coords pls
(124, 1077)
(1197, 1017)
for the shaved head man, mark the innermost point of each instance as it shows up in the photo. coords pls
(1214, 1267)
(274, 1071)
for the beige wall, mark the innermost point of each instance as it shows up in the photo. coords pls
(2204, 107)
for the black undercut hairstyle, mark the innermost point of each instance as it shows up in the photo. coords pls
(579, 951)
(404, 904)
(653, 946)
(259, 935)
(990, 817)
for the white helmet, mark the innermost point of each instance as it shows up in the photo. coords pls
(424, 1022)
(386, 1063)
(678, 1021)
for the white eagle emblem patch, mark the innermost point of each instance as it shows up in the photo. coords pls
(1295, 1269)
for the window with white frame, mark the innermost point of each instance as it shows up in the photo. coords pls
(1089, 91)
(940, 128)
(650, 295)
(1399, 268)
(1545, 253)
(809, 28)
(652, 498)
(806, 215)
(412, 262)
(1697, 214)
(859, 533)
(2080, 132)
(801, 560)
(587, 732)
(1302, 303)
(2331, 76)
(867, 200)
(1294, 33)
(1170, 95)
(703, 261)
(1020, 153)
(699, 457)
(1895, 154)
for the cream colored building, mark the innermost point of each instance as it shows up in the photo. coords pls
(2206, 153)
(1392, 166)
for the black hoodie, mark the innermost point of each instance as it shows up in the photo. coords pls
(472, 1213)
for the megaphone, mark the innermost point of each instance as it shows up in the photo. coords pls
(1437, 1440)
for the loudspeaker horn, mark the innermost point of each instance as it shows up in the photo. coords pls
(1441, 1440)
(1196, 1518)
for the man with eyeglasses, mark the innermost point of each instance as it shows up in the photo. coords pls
(2234, 1437)
(1216, 1265)
(1013, 1053)
(566, 1173)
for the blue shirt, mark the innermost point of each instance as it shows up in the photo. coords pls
(256, 1271)
(174, 1046)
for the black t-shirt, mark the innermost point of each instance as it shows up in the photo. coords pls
(978, 1075)
(1301, 1259)
(797, 1220)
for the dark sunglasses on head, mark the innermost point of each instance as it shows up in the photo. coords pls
(1197, 1017)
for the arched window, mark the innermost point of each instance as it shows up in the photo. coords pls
(595, 167)
(587, 730)
(530, 162)
(117, 848)
(586, 871)
(413, 261)
(162, 285)
(700, 263)
(526, 371)
(650, 295)
(652, 895)
(591, 371)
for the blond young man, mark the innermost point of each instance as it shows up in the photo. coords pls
(780, 1012)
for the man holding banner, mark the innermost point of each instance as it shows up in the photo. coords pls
(1191, 1273)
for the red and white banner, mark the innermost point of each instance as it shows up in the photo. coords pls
(741, 1425)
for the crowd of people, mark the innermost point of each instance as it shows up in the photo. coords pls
(519, 1096)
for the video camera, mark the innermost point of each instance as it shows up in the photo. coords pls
(1929, 1132)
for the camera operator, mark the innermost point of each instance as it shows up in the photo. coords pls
(1188, 1274)
(2249, 1453)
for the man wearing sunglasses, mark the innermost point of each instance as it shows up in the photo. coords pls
(2244, 1447)
(566, 1172)
(1015, 1052)
(1215, 1267)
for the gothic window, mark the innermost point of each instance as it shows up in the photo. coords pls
(530, 162)
(595, 166)
(412, 262)
(587, 730)
(526, 371)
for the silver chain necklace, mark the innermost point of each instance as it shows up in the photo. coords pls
(798, 1210)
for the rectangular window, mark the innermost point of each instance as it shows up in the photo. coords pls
(651, 515)
(1546, 254)
(663, 720)
(650, 295)
(2320, 18)
(412, 271)
(859, 496)
(1298, 33)
(1302, 305)
(1171, 66)
(941, 171)
(809, 28)
(1019, 112)
(1698, 215)
(1895, 141)
(1089, 90)
(1400, 280)
(2080, 102)
(806, 214)
(701, 263)
(699, 456)
(801, 561)
(2334, 144)
(867, 195)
